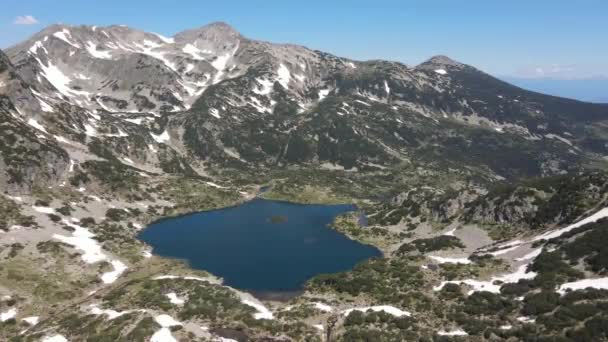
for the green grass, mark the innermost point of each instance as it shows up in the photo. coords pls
(10, 215)
(348, 224)
(50, 284)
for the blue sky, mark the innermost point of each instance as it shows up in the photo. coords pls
(557, 38)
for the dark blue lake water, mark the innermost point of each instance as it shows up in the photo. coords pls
(262, 246)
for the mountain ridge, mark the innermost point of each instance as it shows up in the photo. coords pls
(221, 24)
(213, 69)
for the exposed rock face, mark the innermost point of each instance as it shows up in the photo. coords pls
(523, 206)
(554, 200)
(27, 158)
(440, 62)
(452, 206)
(515, 207)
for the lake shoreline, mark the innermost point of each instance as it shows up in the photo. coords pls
(305, 243)
(257, 196)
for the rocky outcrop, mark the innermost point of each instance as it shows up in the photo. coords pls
(541, 203)
(27, 158)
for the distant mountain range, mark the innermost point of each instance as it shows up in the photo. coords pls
(591, 90)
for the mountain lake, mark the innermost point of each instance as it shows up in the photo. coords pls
(266, 247)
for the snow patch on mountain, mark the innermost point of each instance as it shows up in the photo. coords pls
(59, 80)
(92, 49)
(111, 276)
(193, 51)
(31, 320)
(258, 105)
(530, 255)
(300, 77)
(44, 106)
(386, 308)
(164, 39)
(36, 125)
(220, 64)
(557, 137)
(559, 232)
(493, 285)
(504, 250)
(81, 76)
(214, 112)
(323, 93)
(54, 338)
(166, 321)
(161, 138)
(263, 312)
(65, 35)
(597, 283)
(37, 45)
(265, 86)
(83, 240)
(284, 76)
(189, 67)
(209, 280)
(90, 130)
(450, 232)
(457, 332)
(322, 306)
(174, 299)
(6, 315)
(446, 260)
(164, 333)
(151, 44)
(44, 210)
(149, 51)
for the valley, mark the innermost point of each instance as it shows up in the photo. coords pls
(487, 201)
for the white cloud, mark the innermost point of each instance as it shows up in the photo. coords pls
(562, 71)
(25, 20)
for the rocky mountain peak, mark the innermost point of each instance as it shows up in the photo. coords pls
(440, 62)
(215, 32)
(220, 26)
(54, 28)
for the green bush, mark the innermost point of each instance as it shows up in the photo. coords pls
(431, 244)
(116, 214)
(540, 303)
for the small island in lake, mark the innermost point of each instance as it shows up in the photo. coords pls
(278, 219)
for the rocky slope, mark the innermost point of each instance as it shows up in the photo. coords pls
(215, 98)
(29, 157)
